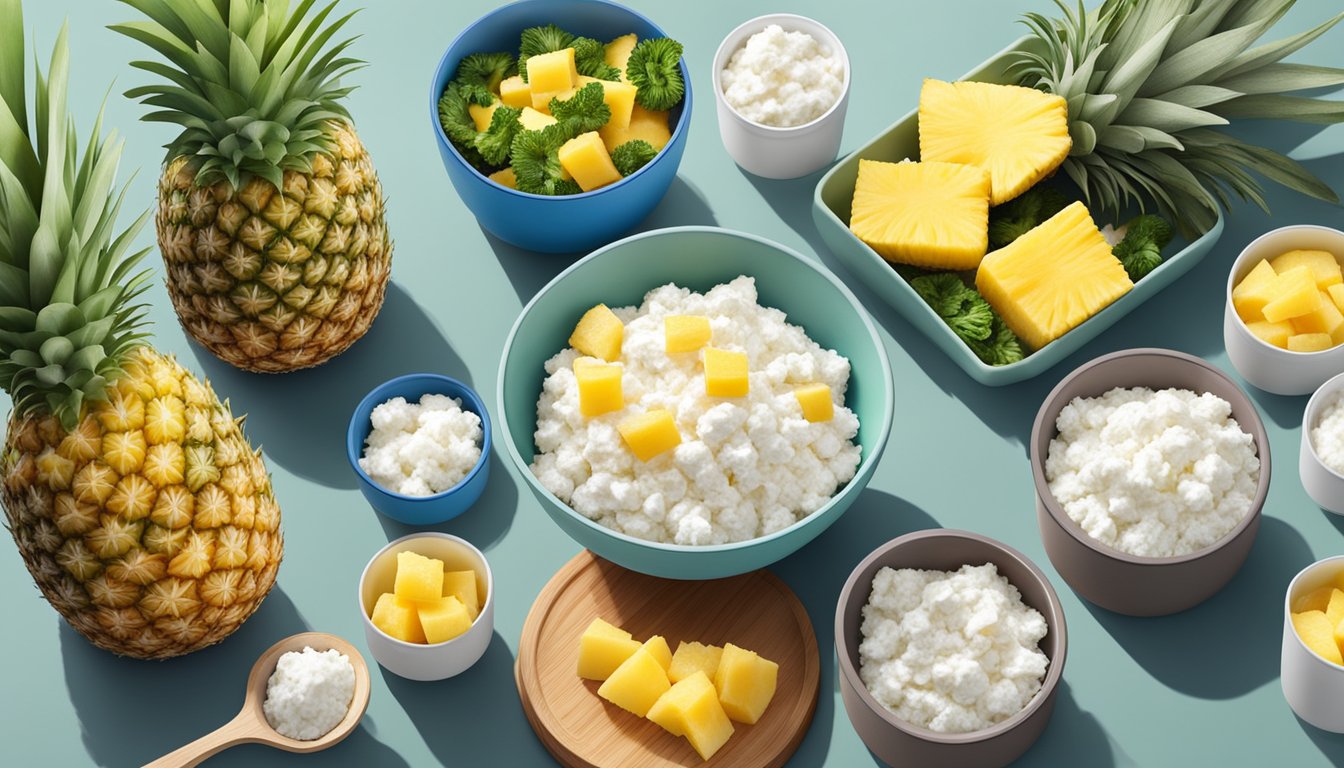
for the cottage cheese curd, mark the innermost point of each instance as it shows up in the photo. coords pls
(422, 449)
(950, 651)
(1153, 473)
(782, 79)
(745, 467)
(309, 693)
(1328, 436)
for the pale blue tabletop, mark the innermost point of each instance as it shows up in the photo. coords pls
(1198, 688)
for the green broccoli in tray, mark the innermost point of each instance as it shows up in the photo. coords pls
(969, 316)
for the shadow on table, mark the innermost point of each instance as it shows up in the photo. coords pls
(1072, 732)
(360, 748)
(300, 418)
(875, 517)
(1330, 744)
(1168, 646)
(485, 524)
(132, 711)
(1284, 410)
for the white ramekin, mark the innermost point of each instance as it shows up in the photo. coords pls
(1324, 485)
(1313, 686)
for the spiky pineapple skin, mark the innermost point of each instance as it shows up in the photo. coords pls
(277, 280)
(152, 527)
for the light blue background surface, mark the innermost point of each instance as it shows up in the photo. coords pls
(1200, 688)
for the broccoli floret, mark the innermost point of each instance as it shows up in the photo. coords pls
(585, 111)
(969, 316)
(1141, 249)
(590, 58)
(536, 161)
(1024, 213)
(1002, 347)
(496, 141)
(632, 155)
(485, 71)
(458, 125)
(653, 68)
(538, 40)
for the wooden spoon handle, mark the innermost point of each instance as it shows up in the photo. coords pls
(243, 729)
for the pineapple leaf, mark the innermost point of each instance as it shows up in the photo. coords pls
(11, 64)
(1281, 78)
(1271, 106)
(1269, 53)
(1200, 96)
(1194, 62)
(1167, 116)
(1127, 79)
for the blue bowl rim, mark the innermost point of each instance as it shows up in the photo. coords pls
(435, 92)
(874, 452)
(375, 396)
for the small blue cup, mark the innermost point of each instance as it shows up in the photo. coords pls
(419, 510)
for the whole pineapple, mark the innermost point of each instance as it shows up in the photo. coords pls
(1149, 82)
(270, 215)
(142, 513)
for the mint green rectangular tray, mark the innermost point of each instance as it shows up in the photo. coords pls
(830, 209)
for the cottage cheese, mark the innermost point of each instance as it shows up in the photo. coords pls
(782, 79)
(1328, 436)
(746, 466)
(950, 651)
(422, 449)
(309, 693)
(1154, 474)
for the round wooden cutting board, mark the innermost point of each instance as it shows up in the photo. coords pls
(756, 611)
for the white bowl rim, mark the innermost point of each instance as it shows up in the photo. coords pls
(364, 574)
(1288, 354)
(1332, 386)
(1288, 609)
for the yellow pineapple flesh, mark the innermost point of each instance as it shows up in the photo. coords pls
(1019, 135)
(1054, 277)
(928, 214)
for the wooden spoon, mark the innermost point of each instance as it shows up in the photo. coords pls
(250, 726)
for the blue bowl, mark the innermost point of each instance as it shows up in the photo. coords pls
(570, 223)
(419, 510)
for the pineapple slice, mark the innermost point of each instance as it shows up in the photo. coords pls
(1274, 334)
(618, 53)
(599, 333)
(691, 709)
(481, 116)
(1019, 135)
(419, 578)
(1254, 291)
(462, 585)
(444, 619)
(602, 648)
(1310, 342)
(587, 160)
(1316, 633)
(745, 682)
(398, 618)
(926, 214)
(514, 92)
(1323, 265)
(1295, 294)
(637, 683)
(657, 648)
(645, 124)
(694, 657)
(1053, 278)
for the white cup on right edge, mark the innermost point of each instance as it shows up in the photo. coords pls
(1313, 686)
(1324, 484)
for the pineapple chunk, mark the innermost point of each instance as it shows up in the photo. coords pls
(552, 73)
(419, 578)
(657, 647)
(1323, 265)
(587, 160)
(644, 124)
(726, 373)
(1316, 633)
(1325, 319)
(637, 683)
(505, 178)
(482, 116)
(618, 53)
(514, 92)
(532, 120)
(692, 709)
(598, 334)
(694, 657)
(603, 648)
(650, 433)
(1315, 600)
(1336, 293)
(1310, 342)
(444, 619)
(816, 402)
(1295, 294)
(599, 386)
(745, 682)
(1334, 610)
(1053, 278)
(462, 585)
(1254, 291)
(1275, 334)
(397, 618)
(686, 333)
(619, 97)
(927, 214)
(1019, 135)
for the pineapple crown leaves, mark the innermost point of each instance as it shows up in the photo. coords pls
(252, 83)
(67, 278)
(1150, 82)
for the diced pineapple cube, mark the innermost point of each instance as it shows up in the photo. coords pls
(462, 585)
(598, 334)
(1325, 319)
(618, 53)
(587, 160)
(1275, 334)
(619, 97)
(419, 578)
(397, 618)
(505, 177)
(1334, 610)
(726, 373)
(599, 386)
(691, 708)
(1255, 290)
(1316, 633)
(816, 402)
(694, 657)
(637, 683)
(645, 124)
(658, 648)
(1315, 600)
(532, 120)
(603, 648)
(650, 433)
(933, 215)
(444, 619)
(481, 116)
(1310, 342)
(514, 92)
(686, 333)
(553, 72)
(1295, 294)
(745, 682)
(1323, 265)
(1337, 295)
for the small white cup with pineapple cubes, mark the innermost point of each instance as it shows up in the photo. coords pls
(428, 603)
(1313, 685)
(1258, 357)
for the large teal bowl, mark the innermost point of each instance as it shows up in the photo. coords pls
(697, 258)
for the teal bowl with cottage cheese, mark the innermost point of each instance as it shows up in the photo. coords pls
(698, 259)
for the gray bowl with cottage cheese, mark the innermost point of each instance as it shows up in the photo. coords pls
(1120, 581)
